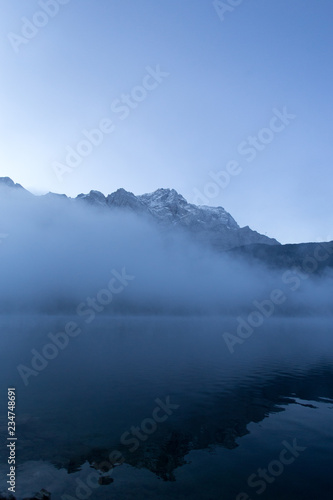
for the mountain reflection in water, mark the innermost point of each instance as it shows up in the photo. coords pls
(108, 379)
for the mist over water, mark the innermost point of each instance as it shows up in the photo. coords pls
(59, 252)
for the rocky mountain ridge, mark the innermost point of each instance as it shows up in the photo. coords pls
(170, 210)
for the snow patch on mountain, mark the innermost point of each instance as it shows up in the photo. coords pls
(169, 209)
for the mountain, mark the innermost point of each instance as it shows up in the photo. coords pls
(207, 225)
(7, 182)
(307, 257)
(58, 254)
(213, 225)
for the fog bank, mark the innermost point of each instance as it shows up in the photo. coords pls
(58, 254)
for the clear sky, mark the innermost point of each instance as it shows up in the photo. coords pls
(202, 91)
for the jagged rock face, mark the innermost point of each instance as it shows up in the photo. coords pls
(168, 205)
(124, 199)
(7, 182)
(213, 225)
(94, 198)
(207, 225)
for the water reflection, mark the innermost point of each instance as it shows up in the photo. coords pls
(107, 382)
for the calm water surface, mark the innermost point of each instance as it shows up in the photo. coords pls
(231, 415)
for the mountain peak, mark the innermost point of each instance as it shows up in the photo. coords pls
(169, 209)
(163, 196)
(125, 199)
(167, 191)
(94, 198)
(8, 182)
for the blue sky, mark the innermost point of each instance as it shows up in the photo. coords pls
(223, 82)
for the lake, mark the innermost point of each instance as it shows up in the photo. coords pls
(159, 408)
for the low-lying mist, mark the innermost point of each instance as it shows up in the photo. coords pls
(61, 255)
